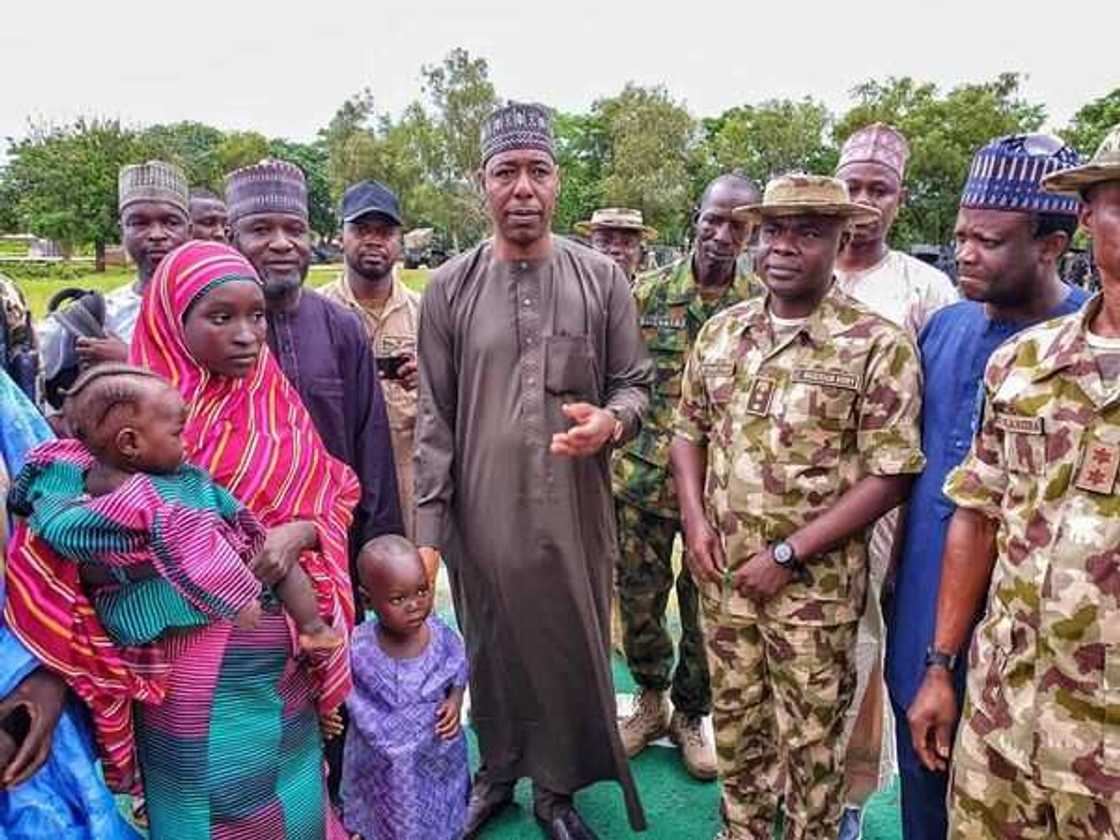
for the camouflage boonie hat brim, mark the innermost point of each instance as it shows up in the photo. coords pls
(1105, 166)
(805, 195)
(619, 218)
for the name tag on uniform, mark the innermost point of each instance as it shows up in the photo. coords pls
(1100, 462)
(761, 395)
(1018, 424)
(831, 378)
(662, 322)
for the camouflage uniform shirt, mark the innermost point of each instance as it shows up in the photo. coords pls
(1044, 669)
(671, 312)
(789, 428)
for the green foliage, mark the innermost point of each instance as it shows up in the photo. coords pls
(429, 156)
(1090, 124)
(944, 131)
(647, 148)
(581, 149)
(638, 148)
(241, 148)
(62, 180)
(348, 139)
(769, 139)
(193, 146)
(9, 215)
(313, 160)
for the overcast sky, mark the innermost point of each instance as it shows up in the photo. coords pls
(283, 68)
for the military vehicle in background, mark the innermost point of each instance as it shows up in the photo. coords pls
(939, 256)
(425, 247)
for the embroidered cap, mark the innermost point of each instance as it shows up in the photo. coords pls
(153, 181)
(271, 186)
(1007, 174)
(877, 143)
(518, 125)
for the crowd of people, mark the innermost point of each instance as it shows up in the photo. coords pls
(896, 495)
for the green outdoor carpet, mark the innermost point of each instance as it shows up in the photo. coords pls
(677, 806)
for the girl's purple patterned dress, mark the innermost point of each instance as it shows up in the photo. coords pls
(401, 781)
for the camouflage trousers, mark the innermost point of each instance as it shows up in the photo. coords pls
(780, 693)
(990, 798)
(645, 578)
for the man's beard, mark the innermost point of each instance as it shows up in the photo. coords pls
(370, 274)
(279, 285)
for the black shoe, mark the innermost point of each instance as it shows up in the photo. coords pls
(486, 802)
(566, 824)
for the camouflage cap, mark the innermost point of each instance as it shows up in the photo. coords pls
(799, 194)
(1105, 166)
(153, 181)
(619, 218)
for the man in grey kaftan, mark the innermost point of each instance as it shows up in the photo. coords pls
(511, 333)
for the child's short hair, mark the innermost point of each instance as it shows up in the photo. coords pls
(100, 390)
(385, 547)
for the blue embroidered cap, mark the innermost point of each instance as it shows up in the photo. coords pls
(1007, 174)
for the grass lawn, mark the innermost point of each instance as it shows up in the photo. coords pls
(39, 292)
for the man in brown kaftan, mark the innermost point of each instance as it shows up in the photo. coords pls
(531, 369)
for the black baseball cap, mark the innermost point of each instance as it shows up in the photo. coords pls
(367, 197)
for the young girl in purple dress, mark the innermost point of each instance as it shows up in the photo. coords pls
(404, 774)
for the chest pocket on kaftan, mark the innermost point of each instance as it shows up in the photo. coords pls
(570, 368)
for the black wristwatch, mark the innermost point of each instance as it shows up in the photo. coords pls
(948, 661)
(785, 556)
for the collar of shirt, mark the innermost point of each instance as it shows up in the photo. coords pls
(819, 327)
(395, 301)
(684, 288)
(1070, 351)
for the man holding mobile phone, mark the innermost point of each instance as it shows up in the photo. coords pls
(371, 246)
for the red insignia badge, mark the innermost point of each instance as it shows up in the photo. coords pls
(1100, 463)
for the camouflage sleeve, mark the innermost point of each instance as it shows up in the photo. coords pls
(980, 480)
(691, 420)
(889, 435)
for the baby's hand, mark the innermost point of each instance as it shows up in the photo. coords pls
(249, 616)
(331, 725)
(447, 719)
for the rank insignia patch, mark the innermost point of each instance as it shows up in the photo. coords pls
(1100, 462)
(760, 396)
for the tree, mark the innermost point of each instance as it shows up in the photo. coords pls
(581, 152)
(1092, 122)
(769, 139)
(64, 180)
(193, 147)
(944, 131)
(461, 97)
(347, 139)
(241, 148)
(648, 136)
(9, 218)
(313, 159)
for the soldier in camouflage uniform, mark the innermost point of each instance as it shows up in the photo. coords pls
(1038, 530)
(620, 233)
(797, 428)
(672, 304)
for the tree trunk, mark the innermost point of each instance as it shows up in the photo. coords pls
(99, 257)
